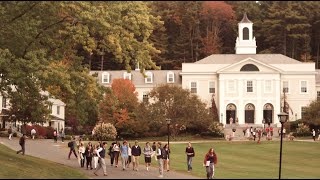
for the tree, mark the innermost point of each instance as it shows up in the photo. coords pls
(119, 105)
(182, 107)
(312, 114)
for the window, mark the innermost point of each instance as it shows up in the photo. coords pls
(249, 67)
(267, 86)
(245, 33)
(249, 86)
(58, 109)
(212, 88)
(318, 95)
(231, 87)
(193, 87)
(50, 108)
(145, 97)
(127, 75)
(303, 111)
(105, 77)
(285, 86)
(4, 102)
(303, 86)
(170, 77)
(149, 77)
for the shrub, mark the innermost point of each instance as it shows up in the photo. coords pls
(216, 129)
(302, 130)
(49, 132)
(15, 134)
(105, 131)
(4, 134)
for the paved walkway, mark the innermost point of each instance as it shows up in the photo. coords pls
(58, 152)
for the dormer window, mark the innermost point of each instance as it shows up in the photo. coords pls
(170, 77)
(105, 77)
(149, 78)
(127, 75)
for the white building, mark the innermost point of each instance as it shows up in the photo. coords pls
(57, 116)
(245, 85)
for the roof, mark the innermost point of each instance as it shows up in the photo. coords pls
(318, 76)
(137, 78)
(233, 58)
(245, 19)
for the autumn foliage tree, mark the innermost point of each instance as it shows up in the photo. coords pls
(118, 106)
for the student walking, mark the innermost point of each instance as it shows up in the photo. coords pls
(210, 160)
(82, 154)
(313, 134)
(129, 155)
(33, 133)
(22, 143)
(55, 136)
(10, 132)
(259, 135)
(111, 153)
(318, 134)
(124, 154)
(160, 159)
(147, 151)
(62, 135)
(190, 154)
(154, 146)
(136, 152)
(95, 156)
(89, 154)
(166, 157)
(101, 152)
(72, 145)
(254, 134)
(116, 151)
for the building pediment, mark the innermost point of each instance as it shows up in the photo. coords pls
(249, 65)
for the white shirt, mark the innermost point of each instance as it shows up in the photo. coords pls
(159, 152)
(82, 149)
(129, 151)
(33, 131)
(313, 133)
(116, 147)
(98, 151)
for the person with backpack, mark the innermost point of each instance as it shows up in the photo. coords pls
(210, 160)
(72, 145)
(55, 135)
(147, 151)
(190, 154)
(101, 152)
(22, 143)
(136, 152)
(159, 156)
(10, 132)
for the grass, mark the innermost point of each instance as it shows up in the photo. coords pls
(17, 166)
(251, 160)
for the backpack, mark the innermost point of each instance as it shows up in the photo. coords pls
(70, 144)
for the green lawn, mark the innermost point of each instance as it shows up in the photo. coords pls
(17, 166)
(243, 160)
(252, 160)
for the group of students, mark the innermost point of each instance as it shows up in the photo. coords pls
(128, 154)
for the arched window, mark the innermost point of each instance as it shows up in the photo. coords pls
(249, 67)
(149, 78)
(245, 33)
(170, 77)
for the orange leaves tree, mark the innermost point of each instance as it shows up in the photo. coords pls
(118, 107)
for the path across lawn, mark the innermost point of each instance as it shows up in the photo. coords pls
(58, 152)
